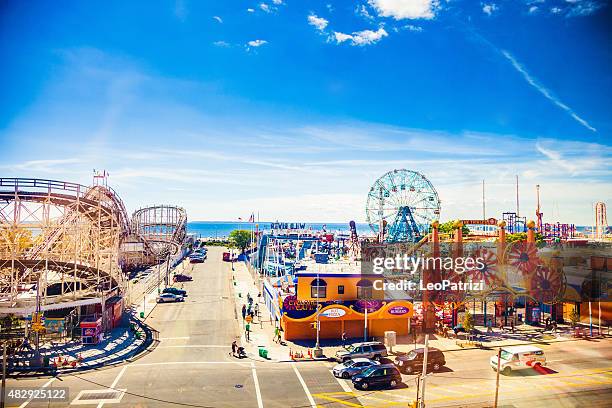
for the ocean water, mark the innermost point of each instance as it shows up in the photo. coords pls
(222, 229)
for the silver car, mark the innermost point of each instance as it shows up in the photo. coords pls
(371, 349)
(351, 367)
(169, 297)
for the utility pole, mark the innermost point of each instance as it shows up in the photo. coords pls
(497, 376)
(517, 196)
(484, 217)
(3, 396)
(424, 371)
(365, 324)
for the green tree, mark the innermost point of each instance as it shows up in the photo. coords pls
(522, 237)
(468, 321)
(574, 317)
(449, 227)
(240, 239)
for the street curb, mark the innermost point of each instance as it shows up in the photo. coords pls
(134, 355)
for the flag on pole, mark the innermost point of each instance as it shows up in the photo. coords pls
(252, 217)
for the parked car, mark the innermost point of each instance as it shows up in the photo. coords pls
(169, 297)
(175, 291)
(351, 367)
(182, 278)
(386, 375)
(196, 260)
(518, 358)
(413, 361)
(226, 256)
(371, 349)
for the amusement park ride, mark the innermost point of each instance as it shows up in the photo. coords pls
(401, 206)
(61, 243)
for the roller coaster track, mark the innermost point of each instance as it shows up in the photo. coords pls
(59, 232)
(163, 228)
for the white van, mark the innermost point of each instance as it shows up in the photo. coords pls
(519, 357)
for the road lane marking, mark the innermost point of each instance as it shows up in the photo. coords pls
(342, 382)
(174, 338)
(45, 385)
(308, 394)
(114, 384)
(338, 400)
(257, 390)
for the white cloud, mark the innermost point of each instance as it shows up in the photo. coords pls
(219, 19)
(319, 22)
(277, 2)
(250, 10)
(360, 38)
(221, 44)
(362, 11)
(533, 9)
(411, 27)
(544, 91)
(489, 9)
(401, 9)
(257, 43)
(265, 7)
(555, 10)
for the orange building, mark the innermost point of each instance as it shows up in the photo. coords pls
(342, 299)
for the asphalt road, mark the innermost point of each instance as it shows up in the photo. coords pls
(192, 367)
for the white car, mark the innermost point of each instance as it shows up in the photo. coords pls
(169, 297)
(351, 367)
(518, 358)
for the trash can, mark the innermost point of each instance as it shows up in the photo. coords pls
(264, 353)
(142, 315)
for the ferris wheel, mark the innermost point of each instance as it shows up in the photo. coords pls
(402, 204)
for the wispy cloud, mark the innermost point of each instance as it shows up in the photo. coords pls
(256, 43)
(360, 38)
(318, 22)
(489, 8)
(180, 10)
(544, 91)
(219, 19)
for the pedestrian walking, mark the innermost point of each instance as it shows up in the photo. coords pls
(247, 331)
(343, 338)
(234, 348)
(244, 312)
(276, 334)
(257, 309)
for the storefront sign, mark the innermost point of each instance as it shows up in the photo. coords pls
(291, 303)
(490, 221)
(333, 312)
(398, 310)
(288, 225)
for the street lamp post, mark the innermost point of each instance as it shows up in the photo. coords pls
(318, 352)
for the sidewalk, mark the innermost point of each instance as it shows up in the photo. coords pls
(122, 344)
(262, 328)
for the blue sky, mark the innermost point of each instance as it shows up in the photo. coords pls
(294, 108)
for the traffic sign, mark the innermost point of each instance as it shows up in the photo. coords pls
(249, 319)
